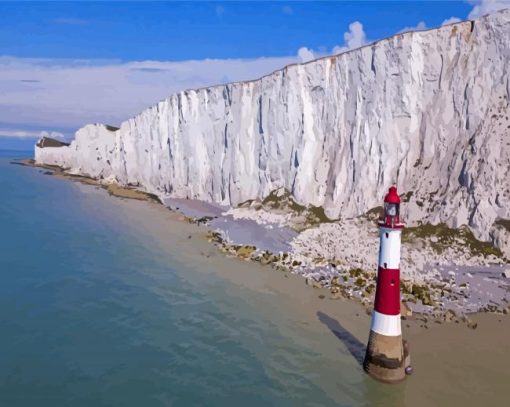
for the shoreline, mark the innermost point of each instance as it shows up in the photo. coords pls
(112, 188)
(336, 280)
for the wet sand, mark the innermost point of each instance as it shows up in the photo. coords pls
(458, 365)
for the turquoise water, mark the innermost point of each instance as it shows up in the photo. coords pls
(93, 313)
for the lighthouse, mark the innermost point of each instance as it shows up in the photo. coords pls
(385, 359)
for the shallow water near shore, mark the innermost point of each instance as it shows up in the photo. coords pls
(107, 301)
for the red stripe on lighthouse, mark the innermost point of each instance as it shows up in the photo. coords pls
(387, 295)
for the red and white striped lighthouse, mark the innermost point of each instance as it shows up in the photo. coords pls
(384, 358)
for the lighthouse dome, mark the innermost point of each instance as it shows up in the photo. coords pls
(392, 196)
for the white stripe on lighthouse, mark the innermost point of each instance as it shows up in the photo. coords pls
(388, 325)
(389, 252)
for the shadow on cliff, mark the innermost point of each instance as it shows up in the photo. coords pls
(353, 345)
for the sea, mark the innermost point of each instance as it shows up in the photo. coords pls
(112, 302)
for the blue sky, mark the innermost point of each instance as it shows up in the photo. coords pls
(63, 65)
(197, 30)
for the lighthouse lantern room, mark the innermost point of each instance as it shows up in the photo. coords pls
(391, 217)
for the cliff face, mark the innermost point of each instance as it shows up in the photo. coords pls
(427, 110)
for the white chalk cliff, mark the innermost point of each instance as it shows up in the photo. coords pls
(428, 110)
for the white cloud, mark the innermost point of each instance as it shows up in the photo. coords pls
(451, 20)
(24, 133)
(354, 38)
(41, 94)
(305, 54)
(418, 27)
(487, 6)
(19, 133)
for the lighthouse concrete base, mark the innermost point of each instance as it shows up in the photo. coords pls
(384, 358)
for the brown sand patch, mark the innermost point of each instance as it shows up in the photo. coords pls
(113, 189)
(130, 193)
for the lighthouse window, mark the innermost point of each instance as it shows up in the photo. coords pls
(387, 235)
(391, 210)
(392, 283)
